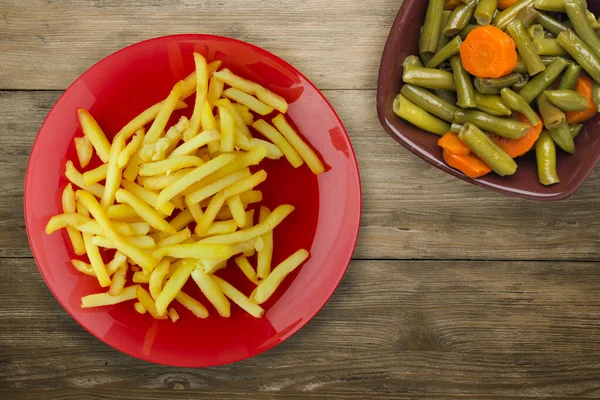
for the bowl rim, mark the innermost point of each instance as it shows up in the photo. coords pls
(353, 162)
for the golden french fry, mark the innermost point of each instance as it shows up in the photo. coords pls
(95, 175)
(189, 83)
(169, 165)
(162, 181)
(267, 287)
(250, 197)
(277, 138)
(211, 189)
(244, 143)
(113, 173)
(182, 220)
(195, 143)
(243, 263)
(105, 299)
(239, 120)
(94, 133)
(235, 81)
(131, 172)
(118, 281)
(81, 209)
(212, 292)
(158, 126)
(173, 315)
(142, 242)
(118, 260)
(248, 100)
(243, 160)
(145, 118)
(61, 221)
(221, 227)
(196, 211)
(139, 307)
(214, 66)
(238, 298)
(174, 134)
(237, 210)
(175, 239)
(308, 154)
(196, 251)
(131, 148)
(157, 277)
(174, 285)
(210, 214)
(265, 255)
(156, 151)
(148, 214)
(96, 260)
(83, 267)
(244, 112)
(91, 226)
(201, 93)
(264, 95)
(245, 185)
(149, 197)
(192, 304)
(139, 228)
(84, 150)
(144, 297)
(141, 277)
(122, 212)
(76, 179)
(70, 206)
(227, 129)
(260, 244)
(244, 235)
(215, 89)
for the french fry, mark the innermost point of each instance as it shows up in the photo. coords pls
(139, 228)
(237, 210)
(96, 260)
(149, 197)
(264, 95)
(221, 227)
(308, 154)
(173, 315)
(245, 185)
(196, 211)
(267, 287)
(118, 260)
(141, 242)
(157, 277)
(141, 277)
(238, 298)
(148, 214)
(270, 223)
(174, 133)
(162, 181)
(113, 173)
(244, 112)
(195, 143)
(122, 212)
(212, 292)
(250, 197)
(189, 83)
(131, 172)
(158, 126)
(118, 281)
(156, 151)
(227, 129)
(94, 133)
(182, 220)
(144, 297)
(201, 94)
(195, 251)
(244, 143)
(175, 239)
(76, 179)
(91, 226)
(239, 121)
(192, 304)
(169, 165)
(210, 214)
(131, 148)
(277, 138)
(235, 81)
(174, 285)
(243, 263)
(248, 100)
(105, 299)
(260, 244)
(61, 221)
(179, 202)
(83, 267)
(70, 206)
(139, 307)
(213, 188)
(84, 150)
(265, 255)
(145, 118)
(249, 224)
(243, 160)
(215, 89)
(81, 209)
(95, 175)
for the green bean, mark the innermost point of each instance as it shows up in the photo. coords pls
(464, 86)
(521, 84)
(567, 100)
(527, 16)
(425, 57)
(467, 29)
(456, 128)
(581, 52)
(504, 127)
(554, 5)
(547, 60)
(503, 19)
(596, 95)
(491, 104)
(450, 49)
(550, 24)
(563, 138)
(542, 80)
(525, 47)
(545, 154)
(521, 68)
(570, 76)
(429, 102)
(595, 24)
(431, 28)
(460, 18)
(575, 130)
(551, 115)
(518, 104)
(443, 40)
(412, 61)
(446, 95)
(481, 144)
(493, 85)
(429, 78)
(536, 31)
(549, 47)
(414, 114)
(484, 13)
(581, 24)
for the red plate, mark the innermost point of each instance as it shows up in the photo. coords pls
(326, 219)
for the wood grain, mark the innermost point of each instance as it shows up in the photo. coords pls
(393, 329)
(411, 209)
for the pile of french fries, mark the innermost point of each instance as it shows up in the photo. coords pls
(154, 186)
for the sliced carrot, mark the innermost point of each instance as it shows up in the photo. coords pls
(584, 87)
(470, 165)
(453, 144)
(451, 4)
(519, 147)
(488, 52)
(504, 4)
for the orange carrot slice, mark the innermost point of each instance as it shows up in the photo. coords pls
(584, 87)
(451, 142)
(504, 4)
(521, 146)
(488, 52)
(470, 165)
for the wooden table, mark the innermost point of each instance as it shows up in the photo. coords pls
(454, 292)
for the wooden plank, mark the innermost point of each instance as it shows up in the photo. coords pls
(393, 329)
(411, 210)
(48, 44)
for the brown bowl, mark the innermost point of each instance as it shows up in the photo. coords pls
(572, 169)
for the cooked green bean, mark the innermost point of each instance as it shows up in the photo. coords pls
(547, 60)
(525, 47)
(502, 19)
(554, 5)
(446, 95)
(570, 76)
(443, 40)
(484, 13)
(464, 85)
(521, 84)
(429, 78)
(481, 144)
(456, 128)
(450, 49)
(581, 52)
(577, 14)
(504, 127)
(491, 104)
(550, 24)
(592, 19)
(460, 18)
(542, 80)
(429, 102)
(549, 47)
(563, 138)
(527, 16)
(551, 115)
(425, 57)
(567, 100)
(493, 85)
(536, 31)
(596, 95)
(414, 114)
(518, 104)
(575, 130)
(465, 32)
(545, 154)
(521, 67)
(431, 28)
(412, 61)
